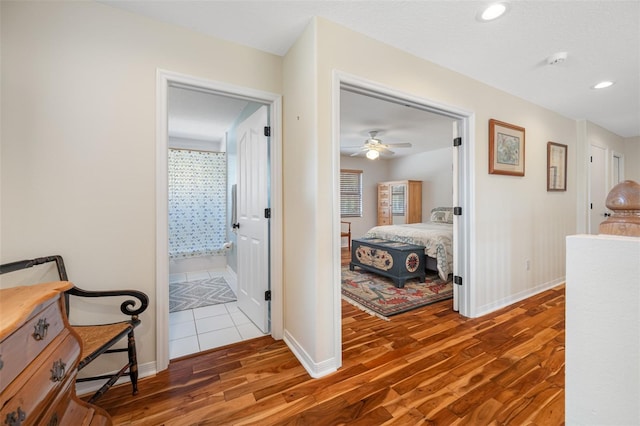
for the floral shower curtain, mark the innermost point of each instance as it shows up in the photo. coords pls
(197, 202)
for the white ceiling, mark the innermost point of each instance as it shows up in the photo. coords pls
(602, 38)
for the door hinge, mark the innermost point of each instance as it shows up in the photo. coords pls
(591, 159)
(267, 213)
(457, 279)
(457, 211)
(267, 130)
(267, 295)
(591, 206)
(457, 141)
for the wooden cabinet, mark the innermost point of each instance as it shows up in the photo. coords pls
(39, 355)
(399, 202)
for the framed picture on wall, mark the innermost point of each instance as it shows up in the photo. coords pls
(556, 167)
(506, 149)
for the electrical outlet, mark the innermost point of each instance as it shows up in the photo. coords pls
(527, 264)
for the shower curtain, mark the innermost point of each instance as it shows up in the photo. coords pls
(197, 203)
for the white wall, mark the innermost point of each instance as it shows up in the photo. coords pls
(632, 158)
(591, 134)
(602, 330)
(78, 136)
(435, 170)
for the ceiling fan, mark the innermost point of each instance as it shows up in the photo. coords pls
(373, 147)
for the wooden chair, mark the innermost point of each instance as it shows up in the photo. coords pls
(99, 339)
(346, 234)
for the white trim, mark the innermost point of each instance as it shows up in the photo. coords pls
(514, 298)
(466, 192)
(315, 370)
(163, 79)
(614, 179)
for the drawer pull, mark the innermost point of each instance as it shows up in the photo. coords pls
(41, 329)
(15, 418)
(57, 372)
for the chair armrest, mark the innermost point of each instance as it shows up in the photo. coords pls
(126, 307)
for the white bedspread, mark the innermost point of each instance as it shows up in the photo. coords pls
(436, 237)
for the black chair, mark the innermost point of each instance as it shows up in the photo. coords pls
(98, 339)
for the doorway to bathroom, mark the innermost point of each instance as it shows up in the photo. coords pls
(202, 164)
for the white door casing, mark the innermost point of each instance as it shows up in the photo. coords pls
(597, 188)
(164, 79)
(253, 226)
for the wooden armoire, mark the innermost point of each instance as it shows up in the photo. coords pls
(399, 202)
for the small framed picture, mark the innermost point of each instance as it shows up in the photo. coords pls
(506, 149)
(556, 167)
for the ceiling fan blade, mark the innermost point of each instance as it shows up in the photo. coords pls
(355, 154)
(385, 151)
(400, 145)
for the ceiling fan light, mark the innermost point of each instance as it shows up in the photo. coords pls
(372, 154)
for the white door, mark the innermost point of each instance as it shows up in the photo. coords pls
(597, 188)
(253, 230)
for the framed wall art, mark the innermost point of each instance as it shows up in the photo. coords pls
(556, 167)
(506, 149)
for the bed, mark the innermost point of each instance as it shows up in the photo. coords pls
(436, 235)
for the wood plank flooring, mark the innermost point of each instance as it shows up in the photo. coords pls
(429, 366)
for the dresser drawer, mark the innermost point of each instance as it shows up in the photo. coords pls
(33, 390)
(22, 346)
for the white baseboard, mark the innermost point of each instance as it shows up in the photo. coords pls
(514, 298)
(315, 370)
(144, 370)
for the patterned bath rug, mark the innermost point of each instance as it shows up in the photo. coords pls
(199, 293)
(378, 296)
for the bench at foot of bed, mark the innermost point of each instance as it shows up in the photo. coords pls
(392, 259)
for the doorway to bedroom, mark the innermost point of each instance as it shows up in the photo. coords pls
(408, 188)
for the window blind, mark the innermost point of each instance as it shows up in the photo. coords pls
(351, 193)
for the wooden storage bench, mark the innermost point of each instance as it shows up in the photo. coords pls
(396, 260)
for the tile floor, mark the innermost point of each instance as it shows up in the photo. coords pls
(208, 327)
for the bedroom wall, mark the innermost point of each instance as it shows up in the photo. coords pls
(78, 83)
(435, 170)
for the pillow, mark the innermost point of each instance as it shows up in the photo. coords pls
(442, 215)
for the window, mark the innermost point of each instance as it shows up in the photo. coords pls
(351, 193)
(397, 200)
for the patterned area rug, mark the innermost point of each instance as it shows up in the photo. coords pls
(195, 294)
(378, 296)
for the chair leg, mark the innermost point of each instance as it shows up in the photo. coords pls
(133, 363)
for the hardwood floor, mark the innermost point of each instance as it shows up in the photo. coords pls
(429, 366)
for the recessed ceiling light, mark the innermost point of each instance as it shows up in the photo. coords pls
(493, 11)
(603, 85)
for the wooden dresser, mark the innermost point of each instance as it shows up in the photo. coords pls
(399, 202)
(39, 356)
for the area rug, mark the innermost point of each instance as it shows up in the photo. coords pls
(199, 293)
(378, 296)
